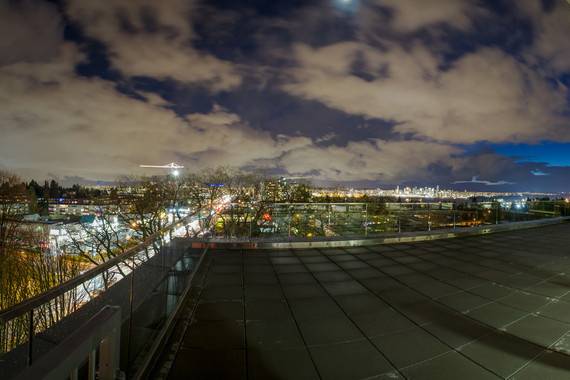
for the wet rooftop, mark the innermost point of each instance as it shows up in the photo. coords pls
(486, 307)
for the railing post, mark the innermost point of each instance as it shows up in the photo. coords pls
(30, 336)
(365, 219)
(92, 365)
(64, 361)
(131, 298)
(289, 226)
(171, 290)
(109, 354)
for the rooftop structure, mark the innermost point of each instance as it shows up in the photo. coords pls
(486, 307)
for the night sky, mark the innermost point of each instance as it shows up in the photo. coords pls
(370, 93)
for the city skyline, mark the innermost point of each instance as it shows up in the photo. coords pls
(355, 93)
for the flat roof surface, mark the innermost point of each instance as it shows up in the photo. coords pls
(486, 307)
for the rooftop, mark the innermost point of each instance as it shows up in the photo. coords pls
(484, 307)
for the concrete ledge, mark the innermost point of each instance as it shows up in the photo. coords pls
(405, 237)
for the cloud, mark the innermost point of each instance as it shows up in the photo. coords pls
(476, 180)
(218, 117)
(484, 96)
(327, 137)
(538, 172)
(368, 160)
(155, 39)
(56, 121)
(303, 117)
(220, 138)
(30, 31)
(551, 29)
(409, 15)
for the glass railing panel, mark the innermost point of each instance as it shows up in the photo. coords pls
(145, 282)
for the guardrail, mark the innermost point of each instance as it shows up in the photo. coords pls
(40, 299)
(387, 238)
(285, 221)
(98, 341)
(144, 278)
(150, 357)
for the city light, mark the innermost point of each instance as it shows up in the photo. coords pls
(409, 194)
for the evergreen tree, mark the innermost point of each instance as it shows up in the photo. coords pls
(45, 193)
(33, 201)
(54, 189)
(36, 188)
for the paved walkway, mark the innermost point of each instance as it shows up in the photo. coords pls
(495, 306)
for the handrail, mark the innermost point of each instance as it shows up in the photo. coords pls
(102, 330)
(150, 357)
(40, 299)
(372, 239)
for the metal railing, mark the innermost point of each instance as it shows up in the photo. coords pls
(373, 219)
(142, 281)
(151, 355)
(98, 342)
(360, 240)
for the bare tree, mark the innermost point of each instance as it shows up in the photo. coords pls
(48, 271)
(145, 211)
(249, 201)
(209, 189)
(97, 240)
(28, 271)
(13, 203)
